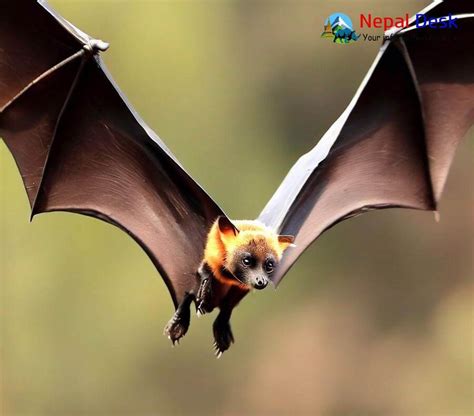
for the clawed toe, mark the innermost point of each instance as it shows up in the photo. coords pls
(175, 330)
(200, 309)
(217, 351)
(223, 338)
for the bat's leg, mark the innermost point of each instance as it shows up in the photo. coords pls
(223, 336)
(178, 325)
(205, 286)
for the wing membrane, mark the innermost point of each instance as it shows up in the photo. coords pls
(393, 145)
(80, 147)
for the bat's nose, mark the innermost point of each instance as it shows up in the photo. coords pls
(260, 283)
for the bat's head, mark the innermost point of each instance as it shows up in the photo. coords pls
(253, 251)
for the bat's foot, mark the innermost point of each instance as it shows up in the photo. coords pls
(178, 325)
(176, 328)
(223, 337)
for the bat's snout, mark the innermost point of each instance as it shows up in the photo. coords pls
(260, 283)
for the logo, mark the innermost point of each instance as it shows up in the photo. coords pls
(338, 28)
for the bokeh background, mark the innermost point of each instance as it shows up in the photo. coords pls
(375, 319)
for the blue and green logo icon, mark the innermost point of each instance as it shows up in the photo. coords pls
(338, 28)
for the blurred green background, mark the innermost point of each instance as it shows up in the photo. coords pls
(376, 317)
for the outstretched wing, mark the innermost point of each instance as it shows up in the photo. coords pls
(80, 147)
(393, 145)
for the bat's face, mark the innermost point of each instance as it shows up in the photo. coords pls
(253, 252)
(254, 262)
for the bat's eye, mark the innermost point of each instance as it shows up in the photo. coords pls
(247, 261)
(269, 266)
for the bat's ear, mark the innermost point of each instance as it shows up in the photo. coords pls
(226, 228)
(286, 241)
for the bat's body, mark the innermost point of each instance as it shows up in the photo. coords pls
(80, 147)
(239, 256)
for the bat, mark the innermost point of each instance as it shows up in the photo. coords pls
(81, 147)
